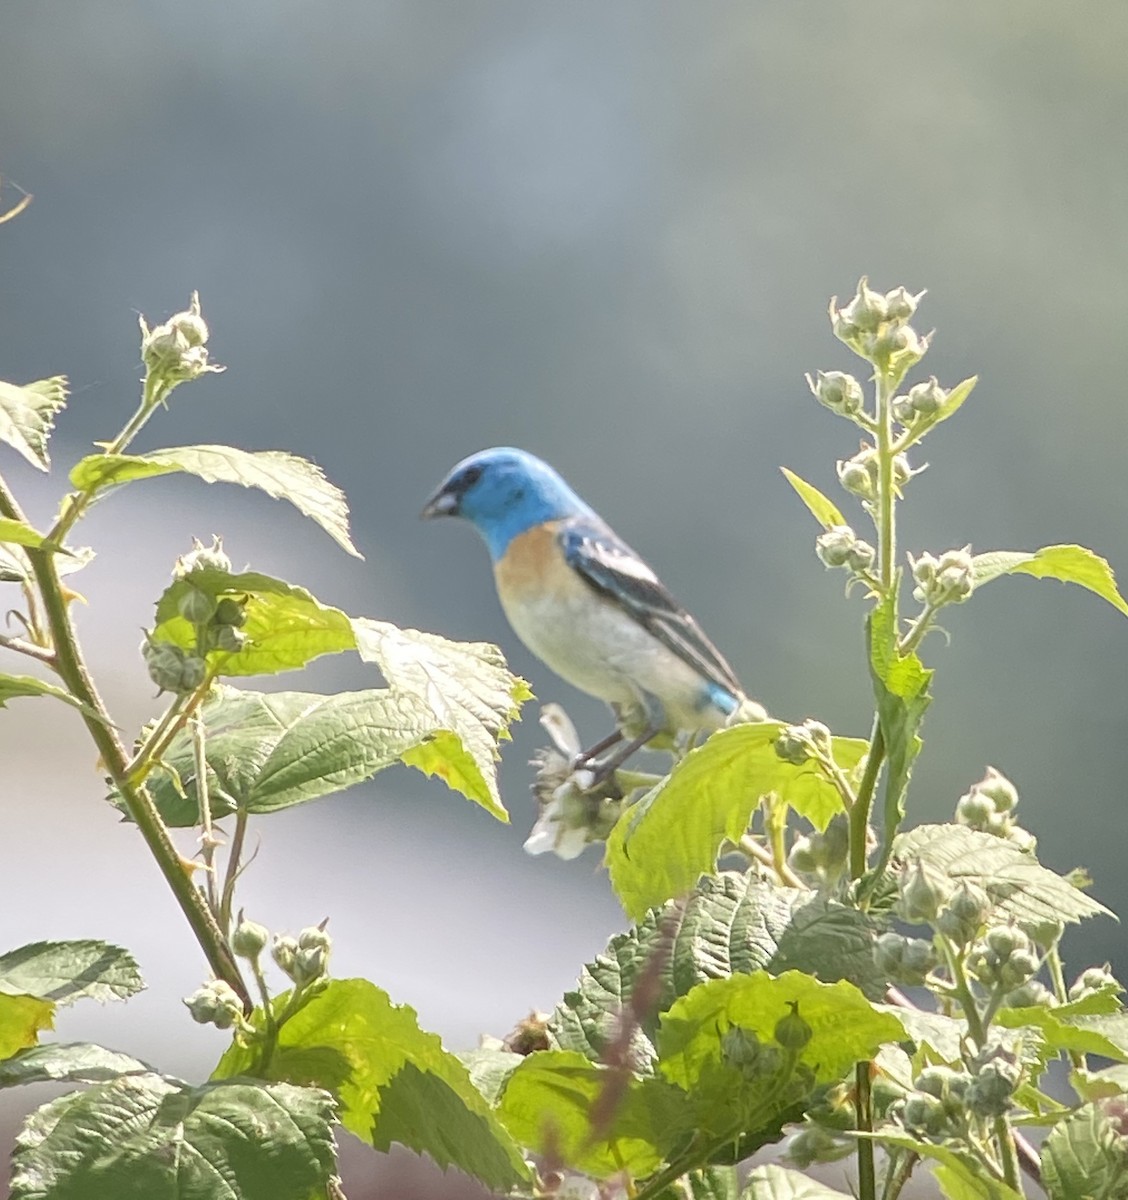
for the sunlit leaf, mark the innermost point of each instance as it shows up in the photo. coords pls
(1069, 564)
(27, 416)
(822, 509)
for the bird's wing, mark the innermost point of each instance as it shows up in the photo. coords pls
(613, 568)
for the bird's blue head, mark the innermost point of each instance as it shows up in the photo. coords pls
(503, 492)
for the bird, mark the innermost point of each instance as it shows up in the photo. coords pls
(589, 606)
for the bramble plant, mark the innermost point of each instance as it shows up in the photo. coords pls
(746, 1005)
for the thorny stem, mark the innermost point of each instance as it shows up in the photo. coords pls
(208, 841)
(234, 868)
(72, 668)
(20, 646)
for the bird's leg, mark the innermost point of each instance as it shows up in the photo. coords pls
(606, 743)
(601, 770)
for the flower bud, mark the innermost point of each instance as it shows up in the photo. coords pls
(924, 1114)
(174, 351)
(995, 1077)
(793, 745)
(926, 399)
(215, 1003)
(792, 1032)
(1094, 979)
(858, 475)
(999, 789)
(835, 545)
(897, 348)
(249, 939)
(963, 916)
(839, 392)
(195, 606)
(904, 960)
(314, 937)
(741, 1048)
(1031, 994)
(284, 950)
(814, 1144)
(945, 1083)
(310, 963)
(1004, 959)
(867, 310)
(974, 810)
(923, 890)
(900, 304)
(171, 668)
(202, 558)
(228, 639)
(230, 612)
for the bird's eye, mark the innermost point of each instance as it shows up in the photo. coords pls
(470, 477)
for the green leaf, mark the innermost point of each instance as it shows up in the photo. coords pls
(1069, 564)
(19, 532)
(27, 416)
(280, 475)
(285, 626)
(820, 507)
(771, 1182)
(1094, 1024)
(845, 1027)
(663, 844)
(394, 1082)
(941, 1034)
(951, 405)
(470, 692)
(1085, 1157)
(1019, 887)
(148, 1135)
(22, 1019)
(64, 972)
(489, 1069)
(269, 751)
(13, 687)
(15, 567)
(732, 923)
(68, 1062)
(553, 1101)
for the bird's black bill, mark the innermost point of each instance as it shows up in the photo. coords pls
(441, 504)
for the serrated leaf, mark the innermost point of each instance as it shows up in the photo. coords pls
(270, 751)
(845, 1027)
(943, 1035)
(1067, 563)
(822, 509)
(64, 972)
(393, 1080)
(732, 923)
(285, 626)
(663, 844)
(148, 1135)
(772, 1182)
(1094, 1024)
(68, 1062)
(15, 567)
(469, 690)
(489, 1069)
(27, 416)
(1085, 1157)
(548, 1103)
(13, 687)
(1017, 885)
(22, 1019)
(280, 475)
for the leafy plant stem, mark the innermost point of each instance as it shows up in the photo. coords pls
(916, 631)
(961, 989)
(901, 1166)
(694, 1156)
(885, 516)
(174, 719)
(72, 669)
(20, 646)
(234, 869)
(860, 812)
(867, 1167)
(1005, 1142)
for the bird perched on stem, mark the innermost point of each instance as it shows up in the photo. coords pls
(589, 607)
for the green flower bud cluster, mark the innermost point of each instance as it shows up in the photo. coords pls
(949, 579)
(175, 351)
(798, 743)
(839, 392)
(903, 959)
(989, 808)
(964, 914)
(172, 668)
(860, 475)
(217, 622)
(996, 1073)
(876, 328)
(216, 1003)
(924, 400)
(823, 855)
(1031, 994)
(249, 939)
(754, 1059)
(840, 546)
(935, 1108)
(1004, 959)
(305, 959)
(1093, 980)
(202, 558)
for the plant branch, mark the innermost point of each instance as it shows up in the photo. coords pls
(20, 646)
(72, 669)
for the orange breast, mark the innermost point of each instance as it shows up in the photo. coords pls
(534, 567)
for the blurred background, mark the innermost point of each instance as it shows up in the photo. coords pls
(606, 233)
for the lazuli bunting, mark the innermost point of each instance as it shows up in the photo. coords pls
(587, 605)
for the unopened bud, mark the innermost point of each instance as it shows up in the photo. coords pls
(202, 558)
(949, 579)
(814, 1144)
(230, 612)
(215, 1003)
(900, 304)
(228, 639)
(867, 310)
(923, 891)
(793, 745)
(839, 392)
(999, 789)
(195, 606)
(314, 937)
(792, 1032)
(839, 546)
(995, 1076)
(284, 950)
(858, 475)
(175, 351)
(963, 916)
(923, 1113)
(1031, 994)
(904, 960)
(1094, 979)
(249, 939)
(172, 668)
